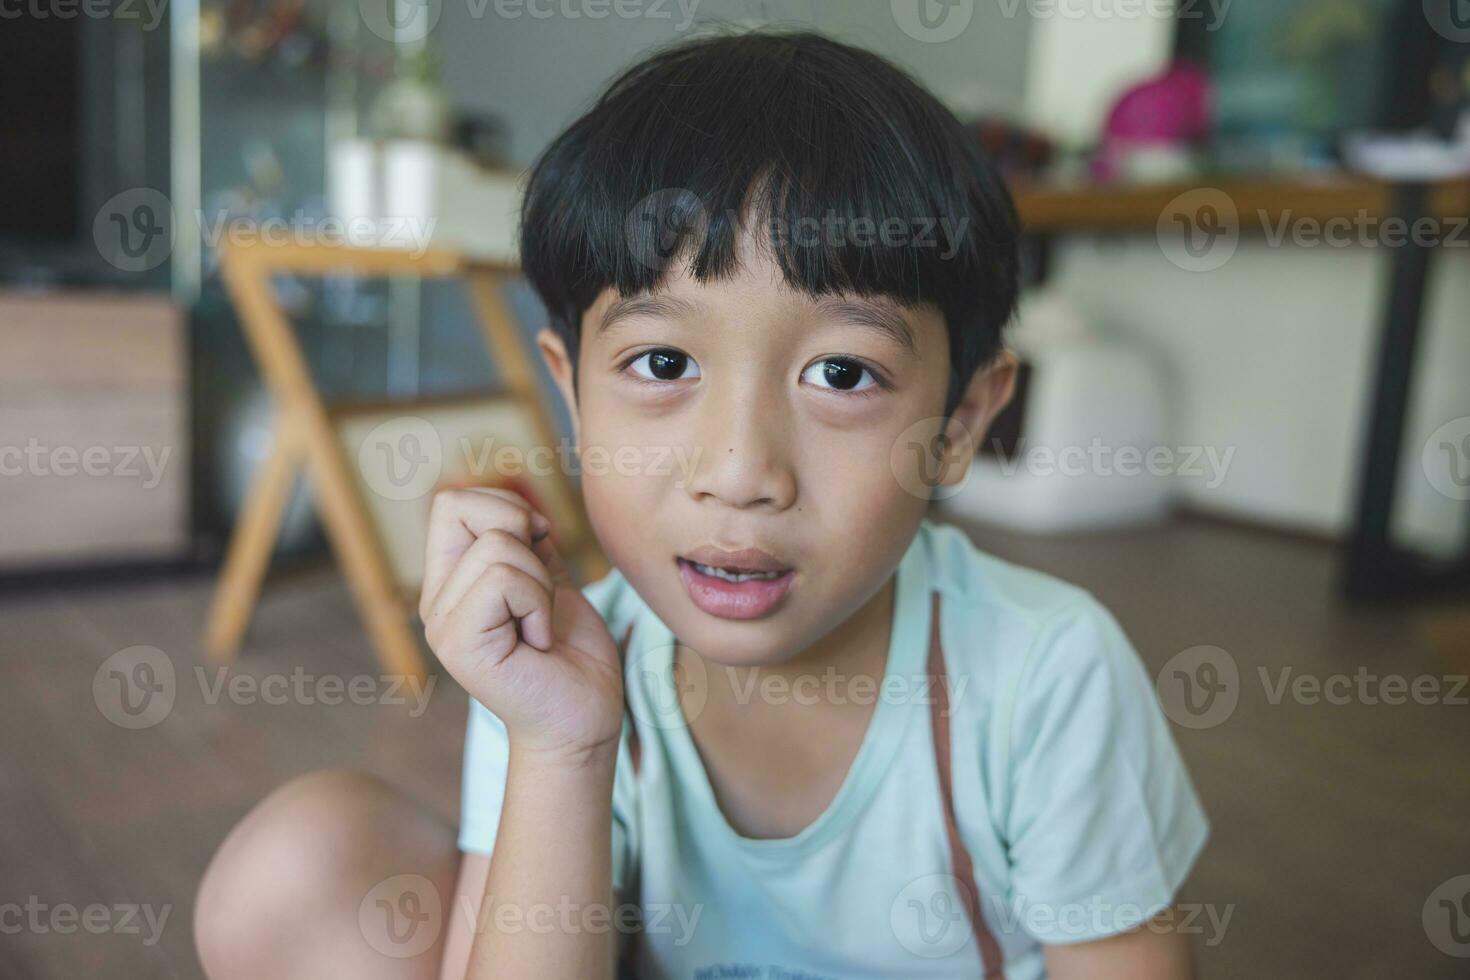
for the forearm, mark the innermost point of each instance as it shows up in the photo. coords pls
(548, 906)
(1156, 951)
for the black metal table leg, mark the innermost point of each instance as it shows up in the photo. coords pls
(1375, 568)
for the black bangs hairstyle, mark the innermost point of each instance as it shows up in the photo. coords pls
(861, 182)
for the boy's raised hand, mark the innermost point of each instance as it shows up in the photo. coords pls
(505, 618)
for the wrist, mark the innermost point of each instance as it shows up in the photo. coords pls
(599, 758)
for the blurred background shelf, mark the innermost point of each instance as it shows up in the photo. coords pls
(1048, 208)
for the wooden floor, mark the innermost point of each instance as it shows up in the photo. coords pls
(1333, 823)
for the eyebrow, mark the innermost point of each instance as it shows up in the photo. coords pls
(669, 307)
(873, 316)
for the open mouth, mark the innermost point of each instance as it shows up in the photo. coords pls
(735, 590)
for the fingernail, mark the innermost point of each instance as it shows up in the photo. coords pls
(539, 523)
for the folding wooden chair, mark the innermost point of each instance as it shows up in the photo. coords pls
(308, 438)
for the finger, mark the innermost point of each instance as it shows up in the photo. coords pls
(493, 547)
(546, 551)
(458, 517)
(503, 607)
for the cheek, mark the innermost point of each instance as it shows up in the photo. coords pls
(848, 471)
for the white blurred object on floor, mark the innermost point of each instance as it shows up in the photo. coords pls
(1093, 412)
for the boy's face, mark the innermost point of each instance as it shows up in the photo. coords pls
(744, 414)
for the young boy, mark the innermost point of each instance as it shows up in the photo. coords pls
(801, 731)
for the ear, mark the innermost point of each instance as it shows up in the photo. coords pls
(988, 392)
(559, 363)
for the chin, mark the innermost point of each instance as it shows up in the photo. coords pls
(737, 644)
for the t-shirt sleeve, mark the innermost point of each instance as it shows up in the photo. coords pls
(1104, 824)
(487, 754)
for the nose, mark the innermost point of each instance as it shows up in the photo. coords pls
(743, 454)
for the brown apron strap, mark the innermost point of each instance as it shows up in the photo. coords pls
(633, 747)
(962, 866)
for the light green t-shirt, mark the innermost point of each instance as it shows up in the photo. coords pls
(1064, 799)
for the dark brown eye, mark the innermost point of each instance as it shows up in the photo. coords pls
(841, 374)
(665, 364)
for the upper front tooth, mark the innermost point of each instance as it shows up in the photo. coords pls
(732, 576)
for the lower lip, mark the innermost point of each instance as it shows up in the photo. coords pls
(750, 599)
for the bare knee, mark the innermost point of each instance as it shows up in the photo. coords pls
(282, 894)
